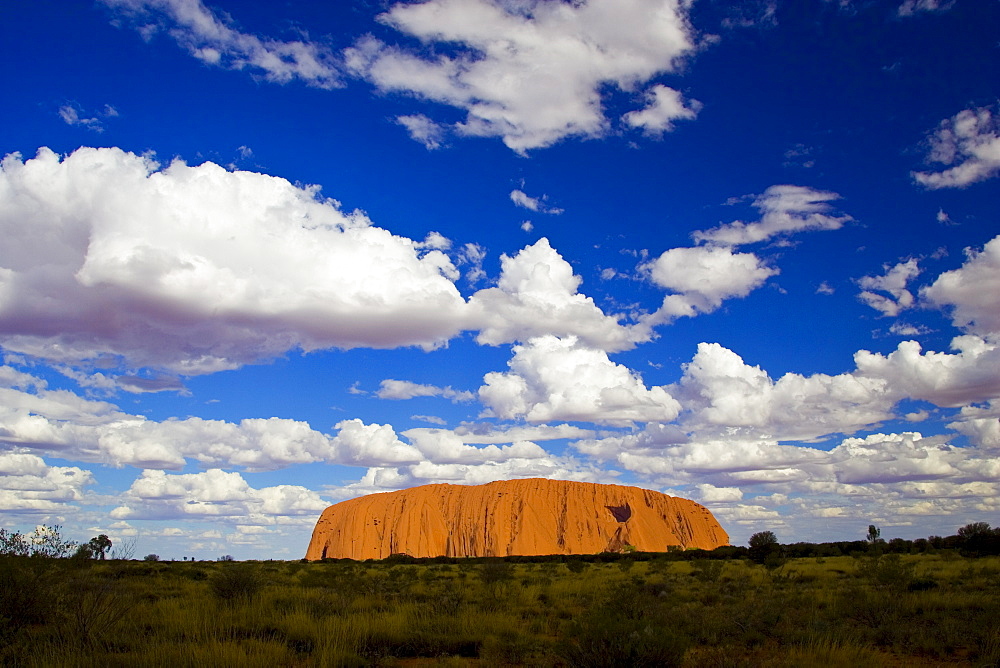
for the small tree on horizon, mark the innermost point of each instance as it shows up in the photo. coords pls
(762, 544)
(99, 546)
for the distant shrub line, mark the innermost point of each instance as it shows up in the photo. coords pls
(979, 541)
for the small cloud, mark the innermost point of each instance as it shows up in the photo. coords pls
(434, 241)
(73, 116)
(527, 226)
(825, 289)
(139, 385)
(473, 254)
(537, 204)
(354, 389)
(404, 389)
(892, 282)
(608, 273)
(432, 419)
(918, 416)
(785, 210)
(906, 329)
(944, 218)
(912, 7)
(799, 155)
(664, 105)
(751, 13)
(422, 129)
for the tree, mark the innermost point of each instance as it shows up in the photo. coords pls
(762, 545)
(974, 529)
(763, 539)
(44, 541)
(124, 549)
(978, 539)
(99, 546)
(151, 557)
(873, 534)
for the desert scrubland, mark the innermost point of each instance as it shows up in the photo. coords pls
(847, 604)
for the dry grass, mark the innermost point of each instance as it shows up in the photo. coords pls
(834, 611)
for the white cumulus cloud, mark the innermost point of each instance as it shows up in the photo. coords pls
(971, 292)
(530, 73)
(562, 379)
(197, 269)
(722, 394)
(969, 375)
(216, 495)
(968, 145)
(60, 423)
(537, 295)
(664, 105)
(894, 283)
(702, 277)
(30, 485)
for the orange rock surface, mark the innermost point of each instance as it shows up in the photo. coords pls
(524, 517)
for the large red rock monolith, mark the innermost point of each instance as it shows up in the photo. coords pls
(512, 517)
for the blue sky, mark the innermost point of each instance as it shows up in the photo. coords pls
(262, 257)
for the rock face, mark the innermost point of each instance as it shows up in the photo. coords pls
(523, 517)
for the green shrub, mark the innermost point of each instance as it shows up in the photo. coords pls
(29, 592)
(708, 570)
(509, 647)
(236, 582)
(886, 571)
(602, 638)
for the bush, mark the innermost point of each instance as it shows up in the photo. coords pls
(601, 638)
(708, 571)
(886, 571)
(236, 583)
(628, 627)
(28, 592)
(95, 607)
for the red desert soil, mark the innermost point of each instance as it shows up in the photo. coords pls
(523, 517)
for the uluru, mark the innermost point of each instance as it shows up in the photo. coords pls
(534, 516)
